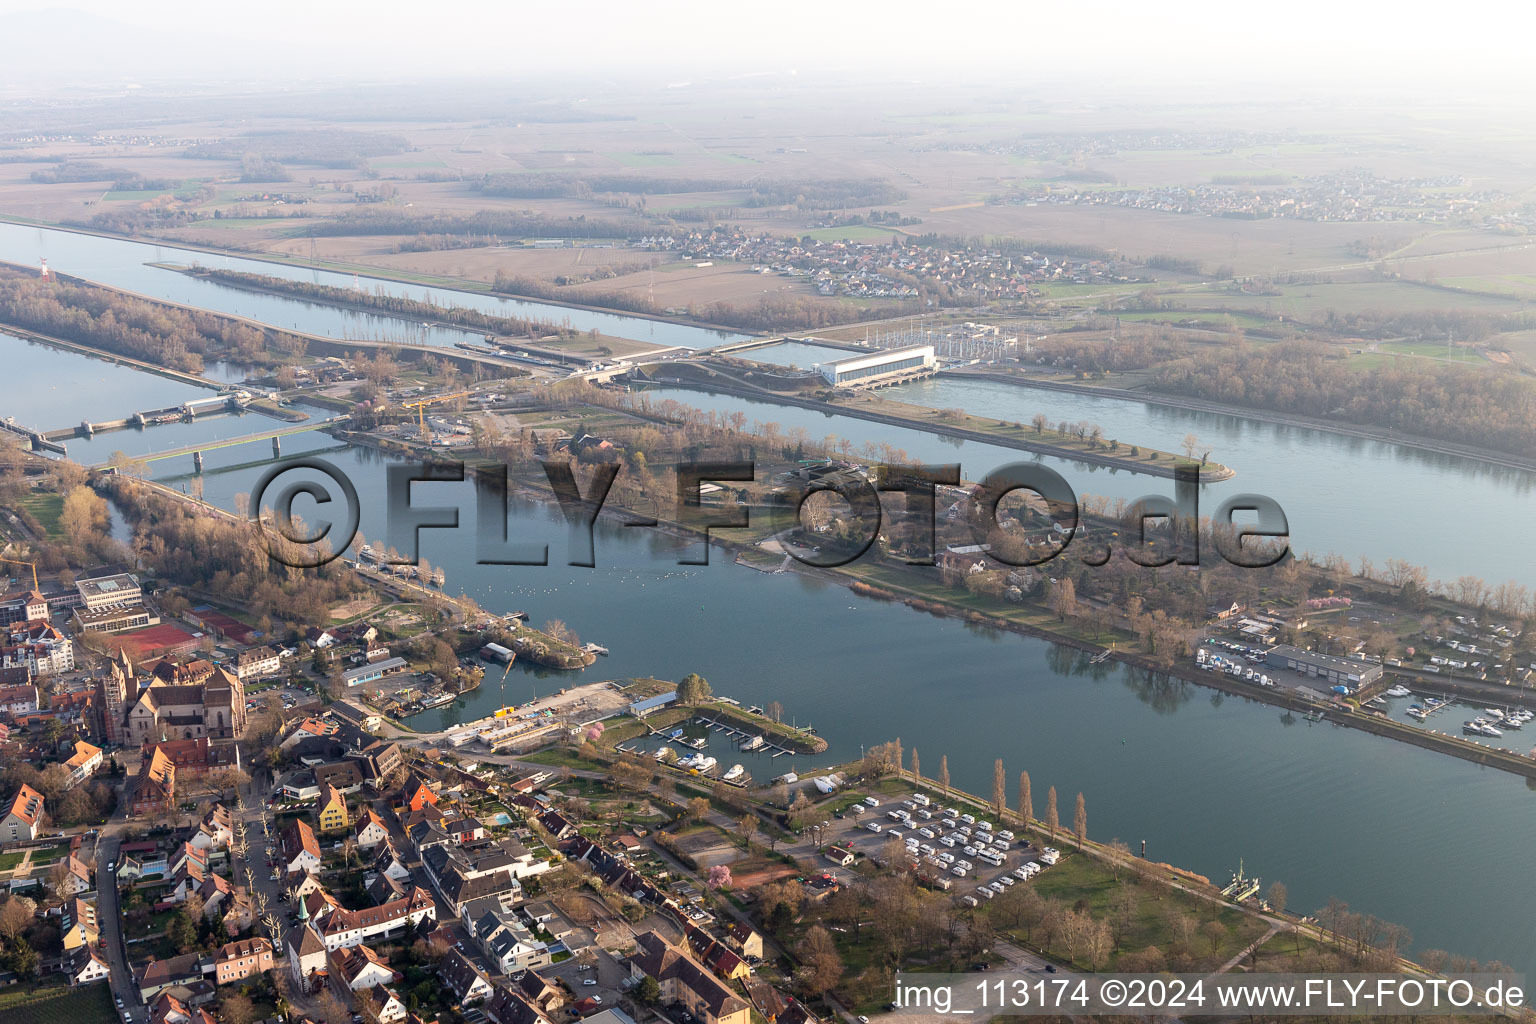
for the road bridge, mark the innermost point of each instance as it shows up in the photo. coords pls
(196, 450)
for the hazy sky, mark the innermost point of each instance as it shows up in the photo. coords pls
(1304, 41)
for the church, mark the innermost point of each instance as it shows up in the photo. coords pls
(186, 701)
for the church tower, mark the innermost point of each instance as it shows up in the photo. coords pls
(119, 692)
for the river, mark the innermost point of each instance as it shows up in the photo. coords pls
(1452, 515)
(120, 263)
(1409, 835)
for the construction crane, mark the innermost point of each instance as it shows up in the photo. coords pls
(420, 406)
(30, 565)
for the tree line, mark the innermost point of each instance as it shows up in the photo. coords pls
(1484, 407)
(175, 338)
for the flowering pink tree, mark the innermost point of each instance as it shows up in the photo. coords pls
(719, 876)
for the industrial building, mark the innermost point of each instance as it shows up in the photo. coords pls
(878, 367)
(641, 708)
(1336, 671)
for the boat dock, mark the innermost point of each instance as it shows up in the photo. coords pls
(744, 738)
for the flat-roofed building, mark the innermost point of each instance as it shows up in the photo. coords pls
(115, 619)
(862, 370)
(1351, 672)
(110, 591)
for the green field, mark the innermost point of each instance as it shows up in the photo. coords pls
(90, 1004)
(45, 507)
(8, 861)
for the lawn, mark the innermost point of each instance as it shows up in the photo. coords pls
(853, 233)
(45, 507)
(55, 1004)
(559, 757)
(8, 861)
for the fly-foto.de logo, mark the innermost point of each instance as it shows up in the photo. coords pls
(1247, 530)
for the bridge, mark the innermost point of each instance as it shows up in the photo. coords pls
(197, 450)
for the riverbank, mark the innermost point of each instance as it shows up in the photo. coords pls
(315, 343)
(1002, 434)
(1361, 431)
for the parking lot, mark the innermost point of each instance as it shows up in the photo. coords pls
(598, 976)
(943, 844)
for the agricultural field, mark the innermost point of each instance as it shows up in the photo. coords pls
(56, 1004)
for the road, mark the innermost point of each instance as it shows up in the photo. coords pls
(109, 915)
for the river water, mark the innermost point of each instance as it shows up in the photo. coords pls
(124, 264)
(1411, 836)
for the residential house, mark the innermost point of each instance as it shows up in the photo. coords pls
(78, 925)
(332, 810)
(426, 832)
(167, 1009)
(684, 980)
(257, 663)
(509, 1007)
(342, 928)
(464, 979)
(300, 852)
(154, 790)
(370, 830)
(239, 960)
(382, 759)
(21, 698)
(86, 965)
(390, 1009)
(215, 831)
(344, 775)
(464, 830)
(189, 869)
(157, 975)
(355, 714)
(714, 954)
(389, 864)
(25, 818)
(308, 729)
(78, 880)
(510, 945)
(383, 889)
(306, 956)
(543, 994)
(83, 763)
(415, 794)
(215, 892)
(743, 938)
(358, 968)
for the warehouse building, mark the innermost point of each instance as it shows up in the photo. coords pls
(1336, 671)
(878, 367)
(641, 708)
